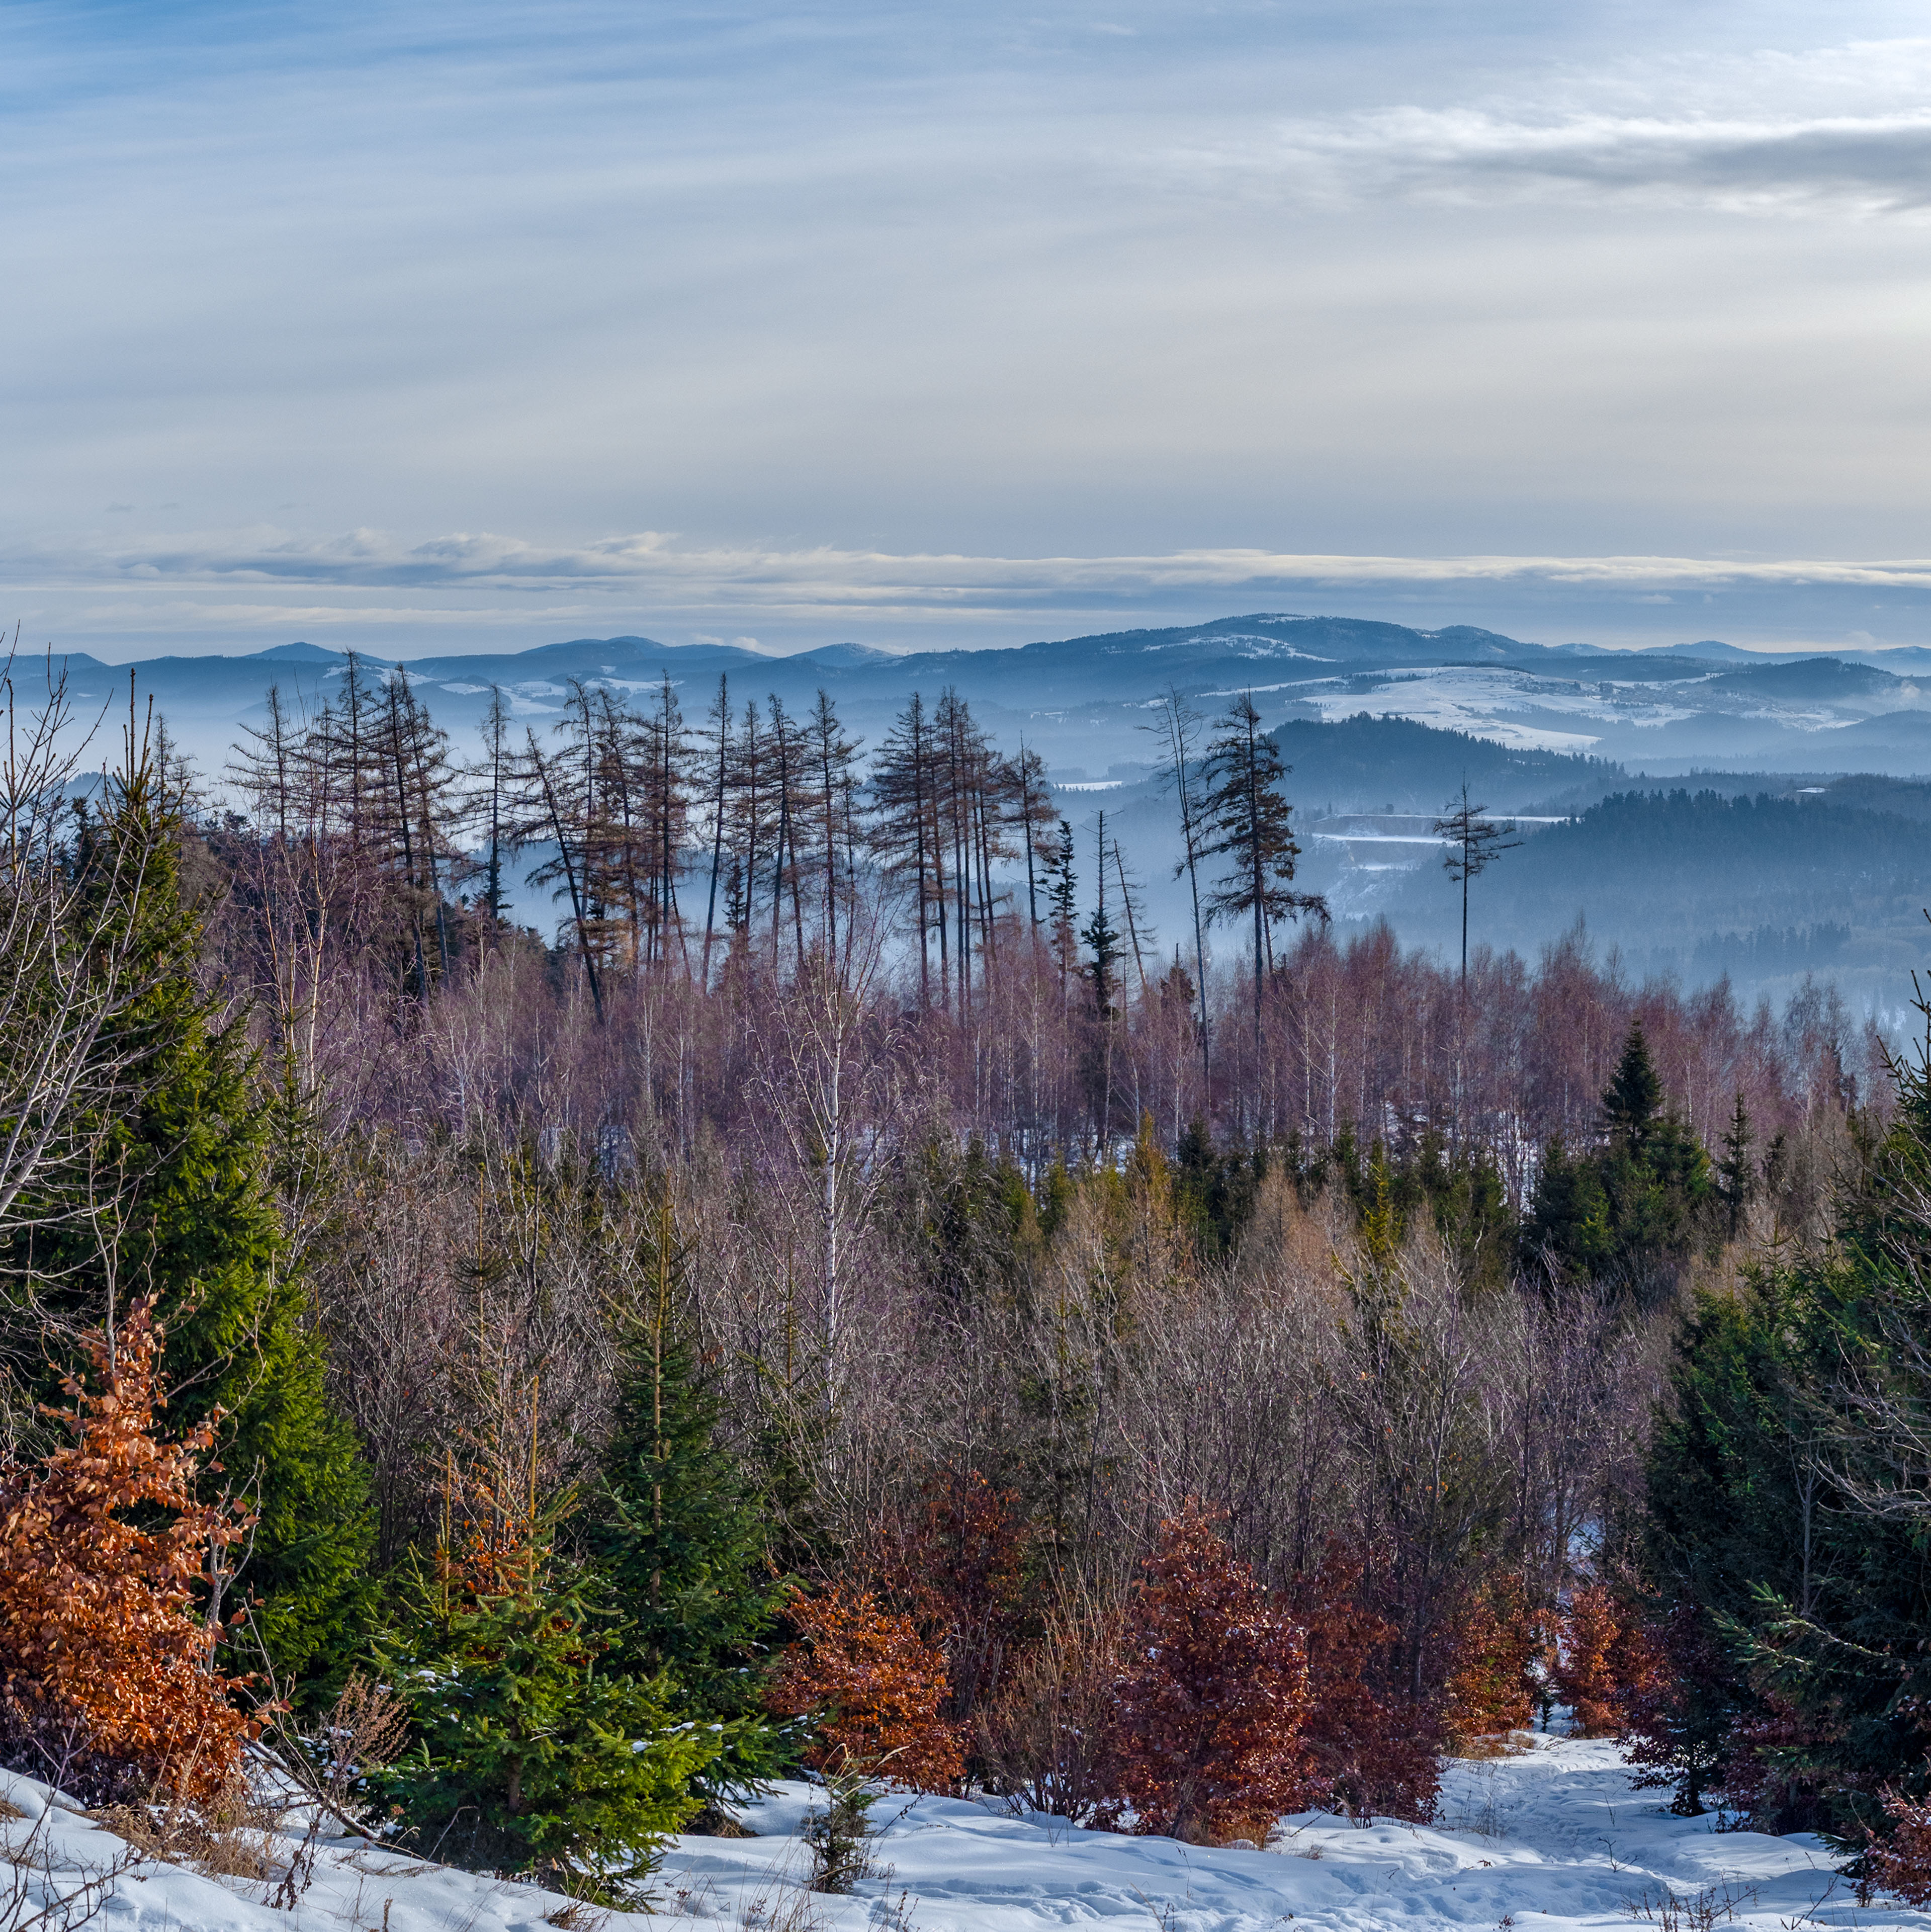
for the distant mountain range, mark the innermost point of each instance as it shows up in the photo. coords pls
(1082, 701)
(1380, 724)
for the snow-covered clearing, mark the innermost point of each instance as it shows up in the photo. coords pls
(1552, 1841)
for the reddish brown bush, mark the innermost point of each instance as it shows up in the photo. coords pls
(1901, 1863)
(1682, 1722)
(875, 1687)
(1605, 1659)
(1489, 1690)
(1212, 1696)
(1774, 1776)
(110, 1681)
(1364, 1752)
(1593, 1629)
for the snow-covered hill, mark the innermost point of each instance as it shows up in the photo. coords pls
(1554, 1840)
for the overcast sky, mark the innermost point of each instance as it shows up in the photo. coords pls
(430, 328)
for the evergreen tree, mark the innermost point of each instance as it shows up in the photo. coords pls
(528, 1752)
(1216, 1191)
(186, 1217)
(968, 1228)
(491, 803)
(1028, 807)
(1629, 1214)
(681, 1540)
(1101, 939)
(1567, 1226)
(1248, 818)
(1062, 897)
(1786, 1528)
(1179, 727)
(1634, 1097)
(1474, 843)
(905, 787)
(1736, 1175)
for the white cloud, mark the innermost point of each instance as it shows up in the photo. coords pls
(1841, 127)
(827, 581)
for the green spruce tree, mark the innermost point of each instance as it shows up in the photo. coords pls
(1101, 937)
(1628, 1215)
(681, 1538)
(1246, 818)
(1633, 1099)
(532, 1748)
(1787, 1518)
(182, 1208)
(1736, 1173)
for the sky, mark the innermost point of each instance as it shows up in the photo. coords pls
(437, 328)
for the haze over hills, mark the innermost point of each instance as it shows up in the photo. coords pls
(1081, 701)
(1380, 724)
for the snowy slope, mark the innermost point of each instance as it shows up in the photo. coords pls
(1554, 1840)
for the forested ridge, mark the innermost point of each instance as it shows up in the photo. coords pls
(1699, 881)
(850, 1300)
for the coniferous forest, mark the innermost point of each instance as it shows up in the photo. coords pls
(843, 1295)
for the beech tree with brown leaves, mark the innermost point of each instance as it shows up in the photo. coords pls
(1213, 1693)
(1490, 1690)
(107, 1674)
(1605, 1658)
(959, 1566)
(1365, 1751)
(875, 1688)
(1901, 1863)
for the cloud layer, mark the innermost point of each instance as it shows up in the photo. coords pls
(364, 587)
(862, 581)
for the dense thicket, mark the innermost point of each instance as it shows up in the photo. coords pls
(1788, 1511)
(851, 1257)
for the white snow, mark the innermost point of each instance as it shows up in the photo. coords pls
(1554, 1840)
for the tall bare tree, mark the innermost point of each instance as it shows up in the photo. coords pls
(1179, 727)
(1474, 841)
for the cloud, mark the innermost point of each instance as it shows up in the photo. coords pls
(1842, 127)
(652, 567)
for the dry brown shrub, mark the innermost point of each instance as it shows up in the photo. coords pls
(109, 1685)
(1047, 1737)
(1494, 1744)
(1489, 1692)
(365, 1729)
(226, 1833)
(876, 1687)
(1901, 1863)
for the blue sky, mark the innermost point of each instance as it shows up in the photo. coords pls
(437, 328)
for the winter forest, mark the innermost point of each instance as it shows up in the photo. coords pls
(839, 1295)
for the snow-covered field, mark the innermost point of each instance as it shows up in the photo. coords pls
(1552, 1841)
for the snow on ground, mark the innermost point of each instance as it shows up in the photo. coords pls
(1554, 1840)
